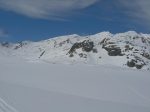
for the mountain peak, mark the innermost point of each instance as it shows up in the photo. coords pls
(128, 49)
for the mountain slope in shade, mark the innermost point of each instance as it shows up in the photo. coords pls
(128, 49)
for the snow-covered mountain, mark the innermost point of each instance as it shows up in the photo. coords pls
(128, 49)
(30, 82)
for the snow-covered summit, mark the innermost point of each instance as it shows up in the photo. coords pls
(128, 49)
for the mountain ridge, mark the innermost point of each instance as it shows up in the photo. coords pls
(129, 49)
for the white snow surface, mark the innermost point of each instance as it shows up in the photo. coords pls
(58, 83)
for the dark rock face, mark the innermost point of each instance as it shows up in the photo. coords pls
(137, 55)
(63, 42)
(41, 54)
(71, 55)
(146, 55)
(86, 46)
(139, 66)
(103, 41)
(95, 50)
(83, 55)
(133, 63)
(113, 51)
(128, 48)
(20, 44)
(5, 44)
(111, 48)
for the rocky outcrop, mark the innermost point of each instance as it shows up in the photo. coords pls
(146, 55)
(5, 44)
(86, 46)
(133, 63)
(20, 44)
(113, 50)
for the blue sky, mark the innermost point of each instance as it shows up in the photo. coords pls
(41, 19)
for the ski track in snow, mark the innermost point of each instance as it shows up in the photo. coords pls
(4, 107)
(139, 94)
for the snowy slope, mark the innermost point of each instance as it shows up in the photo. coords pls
(4, 107)
(128, 49)
(44, 87)
(76, 74)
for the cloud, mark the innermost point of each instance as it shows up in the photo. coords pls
(3, 33)
(45, 9)
(138, 9)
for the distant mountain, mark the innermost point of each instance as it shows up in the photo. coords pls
(128, 49)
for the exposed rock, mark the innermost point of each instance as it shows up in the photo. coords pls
(83, 55)
(139, 66)
(131, 63)
(95, 50)
(5, 44)
(146, 55)
(86, 46)
(134, 63)
(104, 41)
(128, 48)
(64, 42)
(41, 54)
(20, 44)
(113, 51)
(71, 55)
